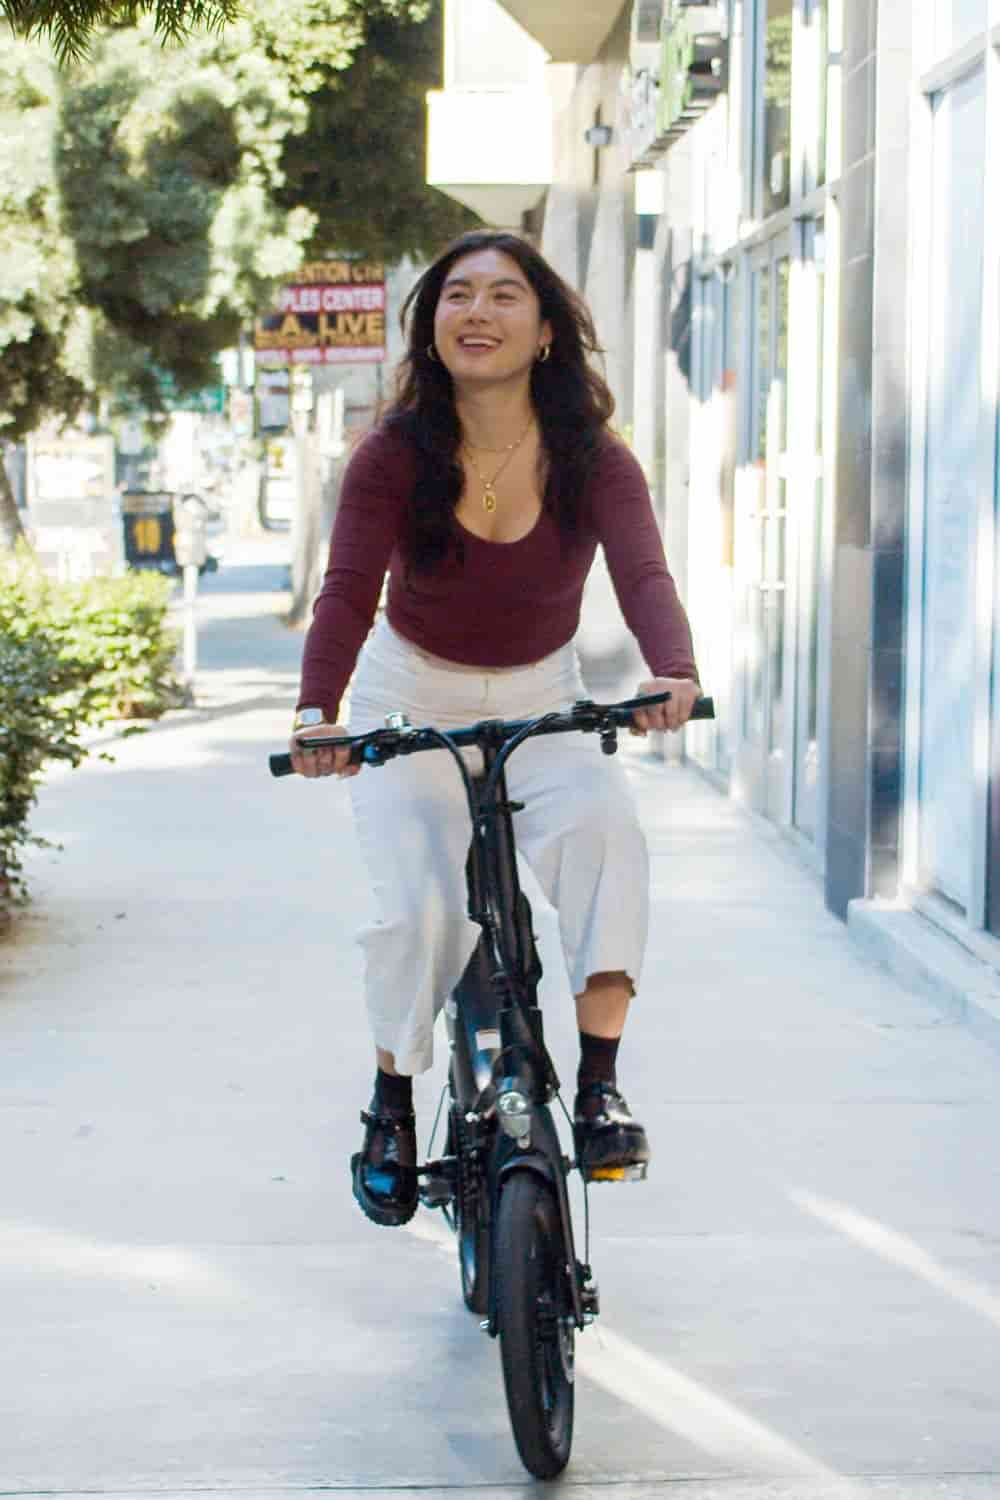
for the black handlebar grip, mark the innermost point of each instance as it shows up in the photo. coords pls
(281, 765)
(704, 708)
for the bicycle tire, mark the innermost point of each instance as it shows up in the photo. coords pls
(535, 1324)
(472, 1233)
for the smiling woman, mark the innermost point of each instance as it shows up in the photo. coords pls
(498, 357)
(485, 492)
(488, 330)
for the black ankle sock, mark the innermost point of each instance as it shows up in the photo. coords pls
(393, 1092)
(597, 1059)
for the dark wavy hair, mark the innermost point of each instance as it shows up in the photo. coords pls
(572, 402)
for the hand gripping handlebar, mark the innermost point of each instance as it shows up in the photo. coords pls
(380, 745)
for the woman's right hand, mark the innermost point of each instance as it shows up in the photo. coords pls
(325, 762)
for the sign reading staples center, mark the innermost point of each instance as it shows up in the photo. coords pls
(333, 313)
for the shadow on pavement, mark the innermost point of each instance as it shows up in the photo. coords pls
(246, 578)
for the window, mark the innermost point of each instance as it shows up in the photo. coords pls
(953, 399)
(819, 23)
(957, 21)
(773, 166)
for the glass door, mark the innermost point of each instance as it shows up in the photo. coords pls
(764, 535)
(809, 516)
(951, 503)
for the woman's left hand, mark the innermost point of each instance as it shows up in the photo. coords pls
(673, 714)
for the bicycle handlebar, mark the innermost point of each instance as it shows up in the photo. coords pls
(380, 745)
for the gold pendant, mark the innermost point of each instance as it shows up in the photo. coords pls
(489, 498)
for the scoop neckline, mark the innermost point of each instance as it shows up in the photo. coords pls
(492, 542)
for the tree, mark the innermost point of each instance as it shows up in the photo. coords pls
(152, 195)
(70, 25)
(360, 162)
(168, 163)
(193, 178)
(43, 356)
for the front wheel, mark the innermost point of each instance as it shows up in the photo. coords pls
(535, 1323)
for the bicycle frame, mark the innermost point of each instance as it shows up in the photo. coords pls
(493, 1015)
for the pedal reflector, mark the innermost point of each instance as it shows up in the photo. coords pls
(635, 1173)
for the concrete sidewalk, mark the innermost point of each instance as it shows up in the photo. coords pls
(803, 1301)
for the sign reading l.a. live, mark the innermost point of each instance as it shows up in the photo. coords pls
(333, 313)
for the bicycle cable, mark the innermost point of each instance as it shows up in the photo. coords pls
(586, 1188)
(437, 1117)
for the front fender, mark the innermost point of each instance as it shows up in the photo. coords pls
(529, 1161)
(540, 1164)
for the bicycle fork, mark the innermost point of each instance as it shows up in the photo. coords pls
(492, 1016)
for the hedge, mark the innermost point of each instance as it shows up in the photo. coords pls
(72, 657)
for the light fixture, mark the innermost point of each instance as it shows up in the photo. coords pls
(514, 1110)
(598, 136)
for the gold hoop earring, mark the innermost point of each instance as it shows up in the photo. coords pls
(432, 353)
(544, 353)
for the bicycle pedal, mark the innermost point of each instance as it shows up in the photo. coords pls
(435, 1192)
(636, 1172)
(590, 1302)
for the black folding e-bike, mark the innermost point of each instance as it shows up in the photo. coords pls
(502, 1179)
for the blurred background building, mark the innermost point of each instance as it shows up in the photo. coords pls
(786, 219)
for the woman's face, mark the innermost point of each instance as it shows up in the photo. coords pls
(487, 324)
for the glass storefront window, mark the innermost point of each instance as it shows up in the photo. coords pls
(957, 21)
(810, 562)
(732, 336)
(820, 21)
(812, 686)
(774, 153)
(781, 350)
(819, 257)
(951, 497)
(776, 610)
(762, 364)
(778, 506)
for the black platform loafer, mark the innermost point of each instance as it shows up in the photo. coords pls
(384, 1171)
(610, 1145)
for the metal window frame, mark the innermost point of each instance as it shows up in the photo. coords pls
(787, 232)
(752, 239)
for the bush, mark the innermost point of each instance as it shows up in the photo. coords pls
(72, 657)
(114, 632)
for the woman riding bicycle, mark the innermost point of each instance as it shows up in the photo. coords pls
(484, 492)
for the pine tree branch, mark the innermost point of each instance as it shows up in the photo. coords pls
(70, 25)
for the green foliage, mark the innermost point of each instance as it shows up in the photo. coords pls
(778, 61)
(152, 195)
(359, 164)
(70, 24)
(114, 630)
(42, 330)
(168, 163)
(72, 656)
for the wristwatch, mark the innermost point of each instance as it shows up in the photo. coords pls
(308, 718)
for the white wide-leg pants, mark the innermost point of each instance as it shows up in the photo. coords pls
(578, 832)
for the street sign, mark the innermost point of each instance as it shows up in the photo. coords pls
(273, 399)
(72, 509)
(209, 401)
(148, 527)
(333, 313)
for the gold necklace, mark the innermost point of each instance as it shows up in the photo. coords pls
(478, 447)
(489, 485)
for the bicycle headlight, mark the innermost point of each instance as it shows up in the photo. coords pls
(514, 1110)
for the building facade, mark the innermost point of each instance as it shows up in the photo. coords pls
(786, 217)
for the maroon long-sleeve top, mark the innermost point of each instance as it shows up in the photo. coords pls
(504, 604)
